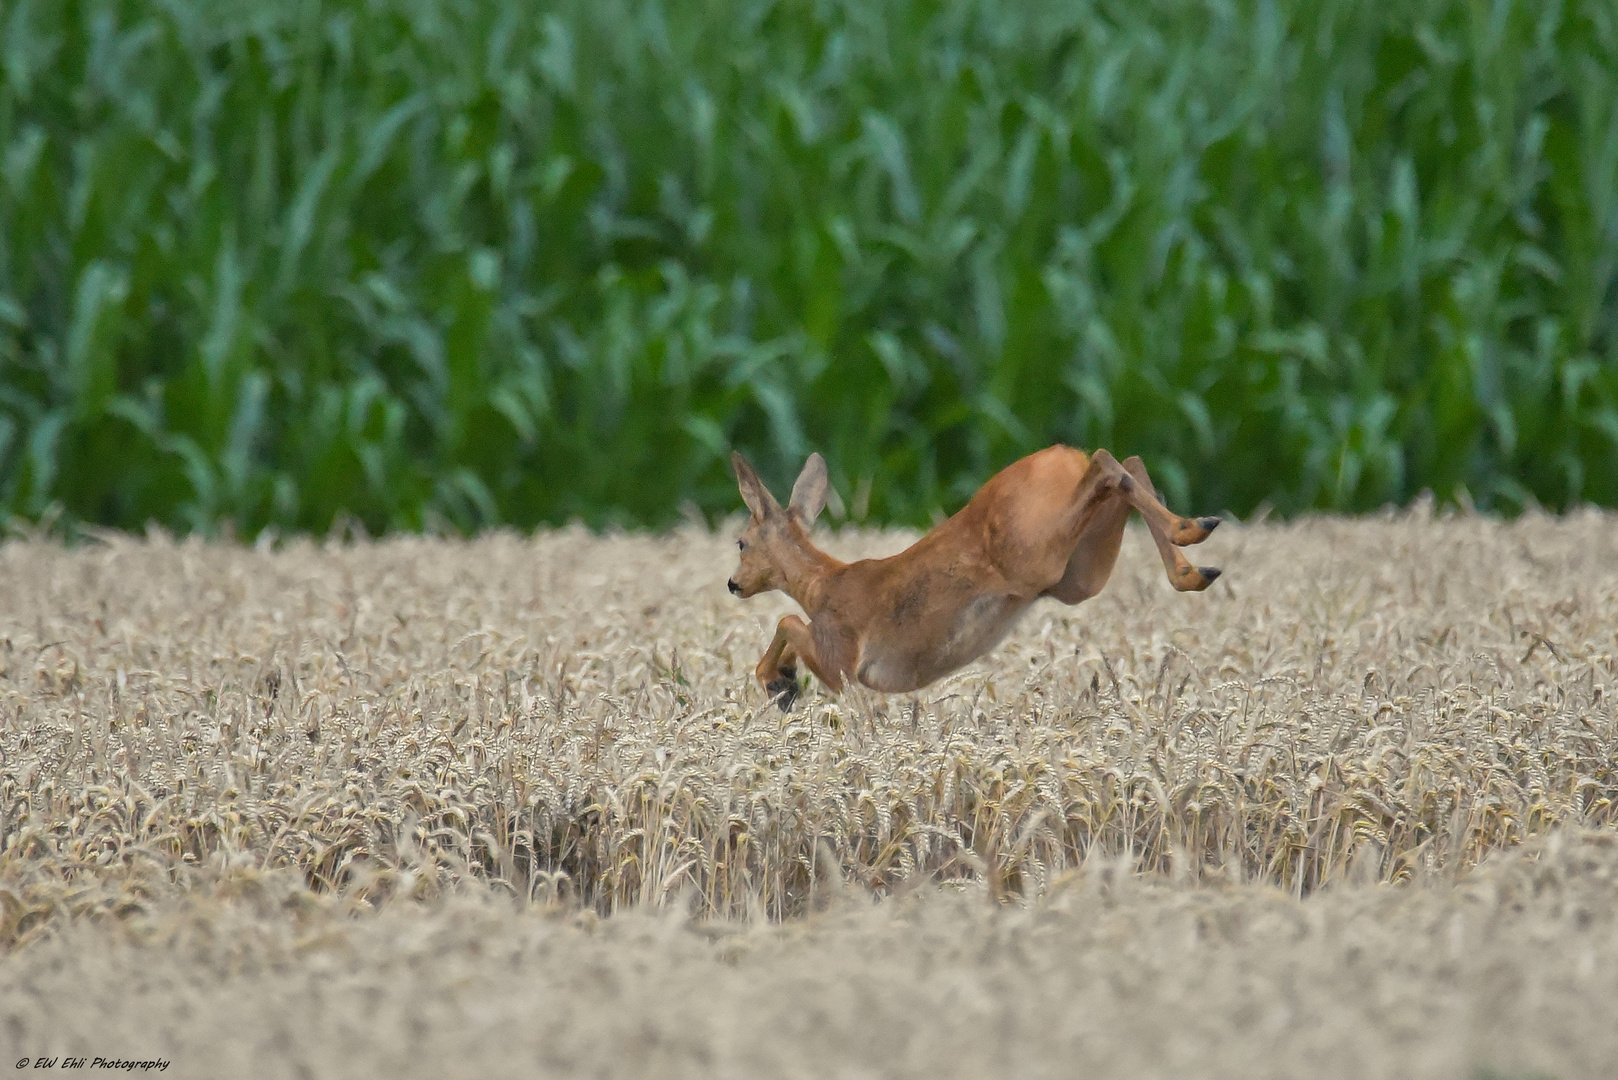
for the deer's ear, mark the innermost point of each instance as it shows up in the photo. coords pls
(754, 493)
(809, 493)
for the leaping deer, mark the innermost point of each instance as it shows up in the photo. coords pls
(1048, 525)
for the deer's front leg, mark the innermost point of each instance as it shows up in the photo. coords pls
(777, 669)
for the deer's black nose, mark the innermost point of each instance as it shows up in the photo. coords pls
(734, 588)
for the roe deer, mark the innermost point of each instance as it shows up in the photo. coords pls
(1048, 525)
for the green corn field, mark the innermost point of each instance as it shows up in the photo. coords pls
(448, 264)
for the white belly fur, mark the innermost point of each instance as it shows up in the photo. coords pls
(977, 628)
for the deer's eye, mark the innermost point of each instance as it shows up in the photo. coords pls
(741, 545)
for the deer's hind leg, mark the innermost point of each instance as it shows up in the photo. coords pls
(1176, 530)
(1095, 554)
(1170, 531)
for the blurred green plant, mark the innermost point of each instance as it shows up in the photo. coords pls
(460, 262)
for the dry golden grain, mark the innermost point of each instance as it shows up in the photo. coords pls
(572, 718)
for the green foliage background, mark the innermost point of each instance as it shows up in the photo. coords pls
(467, 262)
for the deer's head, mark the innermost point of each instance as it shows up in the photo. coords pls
(775, 537)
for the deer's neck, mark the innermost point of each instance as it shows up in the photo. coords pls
(807, 571)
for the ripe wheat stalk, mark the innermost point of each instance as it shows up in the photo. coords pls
(572, 718)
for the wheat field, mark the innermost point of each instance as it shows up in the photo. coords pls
(515, 801)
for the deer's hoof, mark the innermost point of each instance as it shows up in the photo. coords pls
(1194, 578)
(783, 690)
(1194, 531)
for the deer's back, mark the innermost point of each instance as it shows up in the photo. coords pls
(957, 591)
